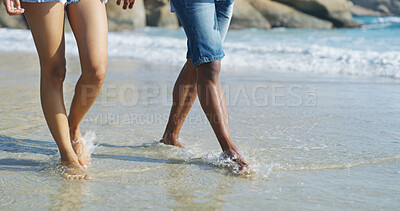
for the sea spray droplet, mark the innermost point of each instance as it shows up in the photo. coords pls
(88, 141)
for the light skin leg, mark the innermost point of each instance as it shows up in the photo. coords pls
(89, 23)
(46, 22)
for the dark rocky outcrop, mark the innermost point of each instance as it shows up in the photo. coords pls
(280, 15)
(119, 19)
(336, 11)
(158, 14)
(359, 11)
(246, 16)
(263, 14)
(385, 7)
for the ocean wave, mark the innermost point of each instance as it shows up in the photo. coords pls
(386, 20)
(380, 22)
(315, 59)
(347, 56)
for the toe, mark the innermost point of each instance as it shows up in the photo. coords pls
(246, 169)
(83, 163)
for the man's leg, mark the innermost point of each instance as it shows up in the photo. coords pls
(199, 20)
(213, 102)
(184, 95)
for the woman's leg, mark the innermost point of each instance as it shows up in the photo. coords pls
(184, 95)
(89, 23)
(46, 21)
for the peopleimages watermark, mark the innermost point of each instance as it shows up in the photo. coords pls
(261, 95)
(132, 104)
(141, 118)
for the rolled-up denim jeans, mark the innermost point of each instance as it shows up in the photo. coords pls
(206, 23)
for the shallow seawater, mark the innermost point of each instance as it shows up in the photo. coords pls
(317, 142)
(372, 50)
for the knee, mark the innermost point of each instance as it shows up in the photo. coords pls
(95, 74)
(209, 71)
(54, 74)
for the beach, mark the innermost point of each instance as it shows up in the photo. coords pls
(316, 112)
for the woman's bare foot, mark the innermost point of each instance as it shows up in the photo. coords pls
(83, 154)
(241, 165)
(170, 139)
(73, 171)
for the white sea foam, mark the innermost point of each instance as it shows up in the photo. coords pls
(254, 51)
(387, 20)
(88, 141)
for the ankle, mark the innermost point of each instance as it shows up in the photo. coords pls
(232, 152)
(74, 132)
(73, 128)
(170, 137)
(70, 158)
(169, 134)
(72, 124)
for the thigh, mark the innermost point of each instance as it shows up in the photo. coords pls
(199, 20)
(89, 23)
(46, 22)
(224, 10)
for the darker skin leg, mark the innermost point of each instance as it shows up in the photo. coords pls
(184, 95)
(204, 82)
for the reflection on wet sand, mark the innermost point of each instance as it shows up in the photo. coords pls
(190, 191)
(69, 196)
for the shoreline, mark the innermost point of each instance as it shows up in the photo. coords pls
(312, 138)
(74, 69)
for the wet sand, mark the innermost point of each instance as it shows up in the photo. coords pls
(317, 143)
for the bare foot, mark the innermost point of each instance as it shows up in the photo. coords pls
(73, 171)
(241, 165)
(171, 140)
(79, 148)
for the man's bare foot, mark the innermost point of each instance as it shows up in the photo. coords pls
(73, 171)
(79, 148)
(171, 140)
(241, 166)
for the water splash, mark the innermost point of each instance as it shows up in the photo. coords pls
(224, 161)
(88, 141)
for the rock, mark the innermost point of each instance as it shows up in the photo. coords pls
(336, 11)
(387, 7)
(359, 11)
(396, 7)
(280, 15)
(246, 16)
(383, 9)
(119, 19)
(158, 13)
(17, 22)
(139, 14)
